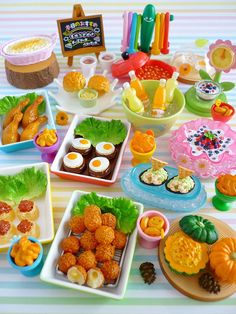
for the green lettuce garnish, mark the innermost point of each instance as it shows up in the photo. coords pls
(9, 102)
(27, 184)
(95, 130)
(124, 209)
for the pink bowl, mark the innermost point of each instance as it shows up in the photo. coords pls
(29, 57)
(145, 240)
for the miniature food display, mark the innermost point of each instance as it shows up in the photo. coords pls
(81, 145)
(25, 252)
(99, 167)
(28, 45)
(153, 226)
(27, 209)
(7, 231)
(95, 278)
(87, 94)
(77, 274)
(28, 228)
(105, 149)
(156, 175)
(207, 89)
(62, 118)
(73, 162)
(73, 82)
(183, 183)
(226, 184)
(6, 211)
(143, 142)
(100, 83)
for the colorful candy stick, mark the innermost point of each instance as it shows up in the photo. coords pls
(130, 17)
(137, 32)
(147, 27)
(124, 42)
(155, 44)
(162, 30)
(133, 33)
(165, 49)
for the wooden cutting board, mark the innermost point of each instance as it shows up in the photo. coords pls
(188, 285)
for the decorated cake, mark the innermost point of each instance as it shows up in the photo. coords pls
(156, 175)
(182, 183)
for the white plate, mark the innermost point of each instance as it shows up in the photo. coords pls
(44, 203)
(30, 143)
(50, 275)
(63, 150)
(69, 102)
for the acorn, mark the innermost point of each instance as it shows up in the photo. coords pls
(209, 283)
(148, 272)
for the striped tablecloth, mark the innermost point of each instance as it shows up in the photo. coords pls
(193, 19)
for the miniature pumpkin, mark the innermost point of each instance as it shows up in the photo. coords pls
(199, 228)
(62, 118)
(184, 255)
(223, 259)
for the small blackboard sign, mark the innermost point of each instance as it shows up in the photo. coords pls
(81, 35)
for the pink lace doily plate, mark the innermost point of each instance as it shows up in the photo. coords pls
(208, 147)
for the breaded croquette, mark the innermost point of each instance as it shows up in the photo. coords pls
(88, 241)
(109, 220)
(104, 252)
(66, 261)
(104, 235)
(87, 260)
(120, 240)
(70, 244)
(110, 270)
(76, 224)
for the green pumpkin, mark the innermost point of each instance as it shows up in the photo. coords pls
(199, 228)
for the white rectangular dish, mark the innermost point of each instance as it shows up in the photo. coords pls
(50, 273)
(44, 203)
(30, 143)
(63, 150)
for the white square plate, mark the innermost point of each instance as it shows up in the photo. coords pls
(63, 150)
(49, 272)
(30, 143)
(44, 203)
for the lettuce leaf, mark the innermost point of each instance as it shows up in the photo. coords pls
(27, 184)
(124, 209)
(95, 130)
(9, 102)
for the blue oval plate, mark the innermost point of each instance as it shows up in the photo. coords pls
(160, 196)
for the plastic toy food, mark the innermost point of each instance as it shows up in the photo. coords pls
(6, 211)
(87, 260)
(153, 226)
(109, 220)
(183, 183)
(10, 133)
(199, 229)
(10, 115)
(76, 224)
(7, 231)
(143, 142)
(207, 89)
(73, 162)
(73, 82)
(120, 240)
(88, 241)
(25, 252)
(226, 184)
(92, 220)
(70, 244)
(104, 235)
(100, 83)
(32, 129)
(29, 228)
(184, 255)
(105, 149)
(77, 274)
(221, 111)
(140, 90)
(88, 97)
(131, 100)
(47, 138)
(156, 175)
(171, 85)
(62, 118)
(27, 210)
(159, 100)
(31, 113)
(66, 261)
(95, 278)
(104, 252)
(110, 270)
(223, 259)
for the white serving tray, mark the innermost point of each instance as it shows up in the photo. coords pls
(44, 203)
(70, 103)
(50, 274)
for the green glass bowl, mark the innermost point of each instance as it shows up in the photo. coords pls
(221, 201)
(160, 125)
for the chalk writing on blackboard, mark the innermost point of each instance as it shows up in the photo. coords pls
(79, 33)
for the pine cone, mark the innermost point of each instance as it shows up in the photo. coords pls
(148, 272)
(209, 283)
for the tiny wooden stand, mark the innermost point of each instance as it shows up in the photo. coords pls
(33, 75)
(80, 47)
(77, 12)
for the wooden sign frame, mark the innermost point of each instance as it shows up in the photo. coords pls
(78, 15)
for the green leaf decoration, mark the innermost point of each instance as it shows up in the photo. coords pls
(209, 135)
(96, 131)
(124, 209)
(27, 184)
(204, 75)
(9, 102)
(226, 86)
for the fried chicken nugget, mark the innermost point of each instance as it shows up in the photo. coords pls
(92, 209)
(104, 252)
(110, 270)
(87, 260)
(120, 240)
(109, 220)
(104, 235)
(66, 261)
(88, 241)
(70, 244)
(76, 224)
